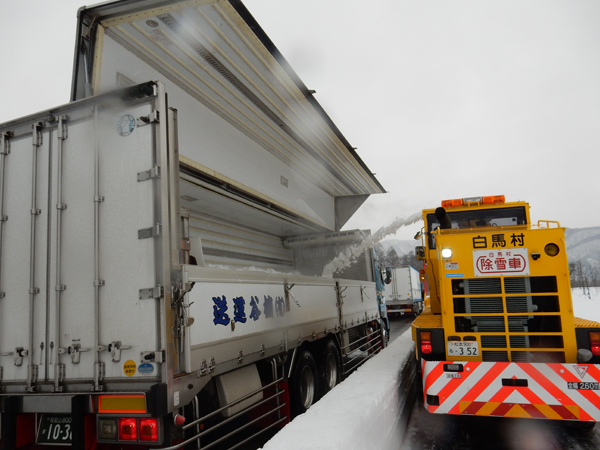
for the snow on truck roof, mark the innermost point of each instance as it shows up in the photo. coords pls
(216, 51)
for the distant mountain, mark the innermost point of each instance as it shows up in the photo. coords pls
(583, 244)
(401, 247)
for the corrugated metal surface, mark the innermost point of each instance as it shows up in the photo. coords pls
(209, 50)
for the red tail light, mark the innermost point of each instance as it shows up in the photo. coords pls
(426, 342)
(128, 429)
(595, 343)
(148, 430)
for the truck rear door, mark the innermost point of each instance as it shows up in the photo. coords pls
(84, 227)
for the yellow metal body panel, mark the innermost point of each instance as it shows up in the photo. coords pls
(425, 320)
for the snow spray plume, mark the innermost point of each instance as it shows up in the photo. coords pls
(351, 254)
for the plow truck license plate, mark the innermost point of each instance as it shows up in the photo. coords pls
(462, 348)
(54, 429)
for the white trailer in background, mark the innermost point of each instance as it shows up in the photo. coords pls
(403, 293)
(161, 242)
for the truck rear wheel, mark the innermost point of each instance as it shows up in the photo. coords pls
(330, 367)
(303, 383)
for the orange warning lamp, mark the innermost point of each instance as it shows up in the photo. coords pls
(488, 200)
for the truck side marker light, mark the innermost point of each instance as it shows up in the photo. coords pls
(149, 430)
(426, 342)
(595, 343)
(127, 429)
(178, 420)
(551, 249)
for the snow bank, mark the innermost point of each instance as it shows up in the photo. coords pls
(369, 410)
(586, 305)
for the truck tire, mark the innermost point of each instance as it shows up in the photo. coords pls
(303, 386)
(330, 367)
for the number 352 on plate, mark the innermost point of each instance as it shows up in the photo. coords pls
(463, 348)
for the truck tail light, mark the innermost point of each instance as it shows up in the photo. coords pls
(595, 342)
(426, 342)
(149, 430)
(128, 429)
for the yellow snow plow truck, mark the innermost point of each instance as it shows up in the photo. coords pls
(498, 336)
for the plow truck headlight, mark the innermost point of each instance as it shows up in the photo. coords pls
(446, 253)
(551, 249)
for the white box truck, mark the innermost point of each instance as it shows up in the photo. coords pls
(403, 293)
(162, 238)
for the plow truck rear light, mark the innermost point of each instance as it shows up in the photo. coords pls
(149, 430)
(426, 342)
(595, 342)
(128, 429)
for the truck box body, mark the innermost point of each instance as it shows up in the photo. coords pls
(167, 232)
(403, 294)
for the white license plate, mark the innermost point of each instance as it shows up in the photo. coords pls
(456, 349)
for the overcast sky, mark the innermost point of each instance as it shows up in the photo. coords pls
(443, 99)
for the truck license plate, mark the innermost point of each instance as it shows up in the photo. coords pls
(54, 429)
(584, 386)
(463, 348)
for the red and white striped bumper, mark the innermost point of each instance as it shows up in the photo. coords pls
(524, 390)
